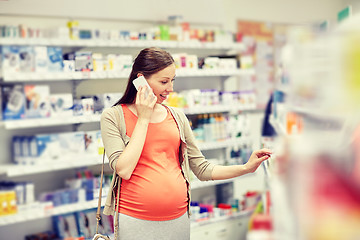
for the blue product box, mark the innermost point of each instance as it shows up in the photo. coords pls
(26, 59)
(16, 149)
(55, 59)
(37, 101)
(89, 186)
(48, 146)
(13, 102)
(66, 226)
(1, 117)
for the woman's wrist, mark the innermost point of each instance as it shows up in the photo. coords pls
(143, 121)
(243, 169)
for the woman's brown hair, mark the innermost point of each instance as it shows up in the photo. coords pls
(148, 62)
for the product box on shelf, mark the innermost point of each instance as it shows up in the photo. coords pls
(37, 101)
(10, 60)
(98, 103)
(65, 226)
(61, 105)
(13, 102)
(111, 98)
(87, 105)
(55, 59)
(41, 57)
(24, 158)
(1, 107)
(26, 59)
(7, 202)
(92, 142)
(72, 143)
(48, 146)
(86, 221)
(99, 63)
(17, 149)
(83, 61)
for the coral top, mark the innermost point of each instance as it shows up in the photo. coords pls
(157, 189)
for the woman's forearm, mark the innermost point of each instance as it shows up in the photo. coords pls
(130, 156)
(226, 172)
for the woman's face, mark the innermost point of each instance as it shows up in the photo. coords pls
(162, 82)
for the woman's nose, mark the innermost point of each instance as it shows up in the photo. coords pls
(170, 87)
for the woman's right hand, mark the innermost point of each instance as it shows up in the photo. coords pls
(144, 103)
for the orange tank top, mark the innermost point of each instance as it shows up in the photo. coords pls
(157, 189)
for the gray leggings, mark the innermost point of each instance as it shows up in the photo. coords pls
(131, 228)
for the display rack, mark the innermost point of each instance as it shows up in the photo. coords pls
(9, 171)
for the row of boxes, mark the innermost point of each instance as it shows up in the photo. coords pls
(42, 59)
(41, 148)
(20, 101)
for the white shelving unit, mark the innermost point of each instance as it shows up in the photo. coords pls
(49, 165)
(67, 76)
(9, 171)
(121, 43)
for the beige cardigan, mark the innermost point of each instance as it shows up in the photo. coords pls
(113, 133)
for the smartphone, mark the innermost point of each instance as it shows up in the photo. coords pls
(141, 81)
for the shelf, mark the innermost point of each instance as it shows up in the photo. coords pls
(93, 118)
(216, 109)
(15, 170)
(213, 72)
(35, 214)
(51, 121)
(196, 184)
(221, 144)
(68, 76)
(244, 213)
(120, 43)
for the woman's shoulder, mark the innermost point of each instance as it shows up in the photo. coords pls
(111, 112)
(178, 111)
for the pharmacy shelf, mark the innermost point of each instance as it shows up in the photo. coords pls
(49, 165)
(234, 215)
(195, 184)
(222, 144)
(68, 76)
(120, 43)
(43, 212)
(218, 109)
(51, 121)
(93, 118)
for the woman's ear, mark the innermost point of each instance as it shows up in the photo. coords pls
(139, 75)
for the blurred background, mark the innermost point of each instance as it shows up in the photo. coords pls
(250, 74)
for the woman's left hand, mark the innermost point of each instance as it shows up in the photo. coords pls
(256, 158)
